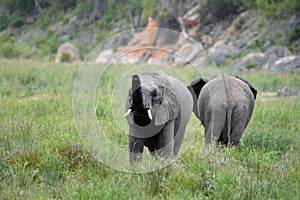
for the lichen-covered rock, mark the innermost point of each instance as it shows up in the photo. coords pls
(273, 54)
(285, 92)
(161, 56)
(105, 56)
(253, 60)
(289, 63)
(224, 52)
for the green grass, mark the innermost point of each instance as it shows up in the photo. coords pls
(42, 156)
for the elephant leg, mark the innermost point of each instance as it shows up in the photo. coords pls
(236, 135)
(215, 127)
(239, 124)
(136, 148)
(179, 131)
(166, 140)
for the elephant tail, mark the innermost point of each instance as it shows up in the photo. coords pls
(228, 125)
(228, 106)
(228, 121)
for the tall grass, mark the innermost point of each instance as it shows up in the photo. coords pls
(42, 156)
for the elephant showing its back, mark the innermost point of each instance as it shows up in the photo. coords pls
(224, 106)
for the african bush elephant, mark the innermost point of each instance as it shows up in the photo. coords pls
(158, 110)
(224, 106)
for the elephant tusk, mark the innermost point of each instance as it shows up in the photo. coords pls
(127, 113)
(149, 113)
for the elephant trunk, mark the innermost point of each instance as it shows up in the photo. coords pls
(141, 102)
(137, 98)
(141, 96)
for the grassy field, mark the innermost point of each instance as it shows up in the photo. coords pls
(42, 155)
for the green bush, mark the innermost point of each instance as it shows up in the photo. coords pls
(17, 23)
(224, 8)
(278, 9)
(65, 5)
(4, 19)
(9, 51)
(65, 57)
(48, 44)
(4, 37)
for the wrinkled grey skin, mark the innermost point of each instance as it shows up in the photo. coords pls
(224, 106)
(171, 106)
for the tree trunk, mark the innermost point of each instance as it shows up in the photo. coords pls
(132, 14)
(138, 23)
(98, 9)
(183, 29)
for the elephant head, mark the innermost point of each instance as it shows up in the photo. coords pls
(151, 98)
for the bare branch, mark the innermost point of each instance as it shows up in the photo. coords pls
(37, 4)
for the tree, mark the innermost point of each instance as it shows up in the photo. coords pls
(134, 8)
(179, 8)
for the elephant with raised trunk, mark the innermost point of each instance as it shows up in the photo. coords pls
(158, 108)
(224, 106)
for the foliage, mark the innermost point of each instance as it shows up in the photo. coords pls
(42, 156)
(4, 19)
(150, 8)
(274, 8)
(17, 23)
(9, 51)
(225, 8)
(65, 57)
(23, 16)
(8, 47)
(48, 44)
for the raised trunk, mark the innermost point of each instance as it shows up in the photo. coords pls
(137, 97)
(141, 103)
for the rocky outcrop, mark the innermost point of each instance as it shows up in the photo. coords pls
(275, 53)
(285, 92)
(153, 45)
(289, 63)
(276, 58)
(246, 34)
(253, 60)
(70, 50)
(225, 41)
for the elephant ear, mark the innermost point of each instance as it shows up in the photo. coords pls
(168, 109)
(196, 86)
(253, 90)
(128, 105)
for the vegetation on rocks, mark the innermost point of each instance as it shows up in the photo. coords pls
(36, 28)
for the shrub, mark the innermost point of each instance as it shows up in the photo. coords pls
(65, 57)
(4, 19)
(9, 51)
(278, 9)
(17, 23)
(225, 8)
